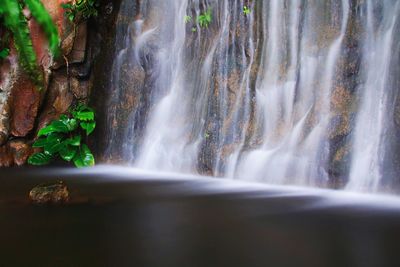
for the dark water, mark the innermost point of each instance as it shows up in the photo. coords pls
(118, 217)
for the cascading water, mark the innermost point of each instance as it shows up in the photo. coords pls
(374, 118)
(295, 92)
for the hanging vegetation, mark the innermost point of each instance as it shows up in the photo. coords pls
(80, 8)
(14, 20)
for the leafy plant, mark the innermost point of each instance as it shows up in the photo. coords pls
(12, 16)
(84, 8)
(63, 138)
(205, 18)
(246, 10)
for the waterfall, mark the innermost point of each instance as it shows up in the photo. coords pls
(288, 153)
(372, 123)
(292, 92)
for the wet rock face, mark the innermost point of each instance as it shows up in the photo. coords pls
(25, 104)
(23, 109)
(8, 72)
(106, 43)
(50, 194)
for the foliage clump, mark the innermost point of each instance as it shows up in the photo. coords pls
(246, 10)
(205, 18)
(80, 8)
(62, 138)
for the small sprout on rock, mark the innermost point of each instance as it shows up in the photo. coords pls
(205, 18)
(188, 19)
(194, 29)
(246, 10)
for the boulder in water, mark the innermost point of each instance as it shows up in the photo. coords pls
(50, 194)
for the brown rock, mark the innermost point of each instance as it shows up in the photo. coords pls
(78, 52)
(80, 89)
(6, 159)
(39, 39)
(63, 97)
(25, 104)
(20, 151)
(341, 104)
(49, 194)
(8, 73)
(15, 152)
(58, 99)
(57, 13)
(68, 43)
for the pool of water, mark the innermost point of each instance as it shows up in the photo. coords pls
(125, 217)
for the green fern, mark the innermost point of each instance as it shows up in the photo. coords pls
(42, 17)
(17, 24)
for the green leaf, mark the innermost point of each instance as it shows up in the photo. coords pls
(53, 148)
(55, 137)
(68, 152)
(63, 125)
(74, 141)
(71, 124)
(41, 142)
(88, 126)
(53, 143)
(60, 127)
(46, 130)
(87, 156)
(84, 158)
(54, 127)
(71, 17)
(66, 5)
(40, 159)
(78, 160)
(85, 115)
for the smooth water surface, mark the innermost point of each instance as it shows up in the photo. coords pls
(125, 217)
